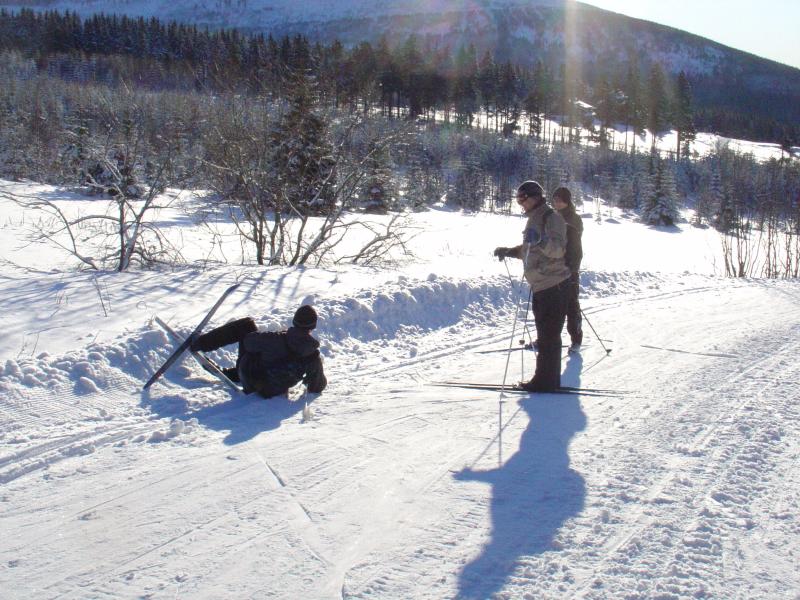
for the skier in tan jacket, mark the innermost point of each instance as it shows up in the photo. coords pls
(544, 242)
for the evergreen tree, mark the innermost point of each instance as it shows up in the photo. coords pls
(302, 158)
(660, 204)
(465, 92)
(711, 198)
(722, 203)
(487, 85)
(684, 116)
(421, 189)
(658, 103)
(634, 105)
(410, 65)
(606, 104)
(379, 193)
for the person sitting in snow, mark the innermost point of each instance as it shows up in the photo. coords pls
(544, 242)
(271, 362)
(562, 202)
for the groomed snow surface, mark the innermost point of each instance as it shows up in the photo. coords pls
(681, 483)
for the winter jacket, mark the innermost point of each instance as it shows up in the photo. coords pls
(544, 241)
(271, 362)
(574, 251)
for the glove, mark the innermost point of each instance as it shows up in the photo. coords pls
(502, 252)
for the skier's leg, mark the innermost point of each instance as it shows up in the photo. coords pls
(549, 312)
(574, 320)
(230, 333)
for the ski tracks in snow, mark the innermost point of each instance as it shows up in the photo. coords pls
(673, 507)
(400, 490)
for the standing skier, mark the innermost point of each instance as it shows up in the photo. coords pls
(562, 202)
(542, 252)
(271, 362)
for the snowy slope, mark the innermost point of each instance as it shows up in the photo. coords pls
(682, 485)
(516, 29)
(270, 13)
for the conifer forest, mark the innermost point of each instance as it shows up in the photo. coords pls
(129, 107)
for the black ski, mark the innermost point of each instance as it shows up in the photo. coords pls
(566, 388)
(205, 362)
(517, 389)
(515, 348)
(187, 342)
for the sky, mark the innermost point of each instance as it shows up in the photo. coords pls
(767, 28)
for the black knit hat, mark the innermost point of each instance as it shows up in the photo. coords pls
(305, 317)
(531, 188)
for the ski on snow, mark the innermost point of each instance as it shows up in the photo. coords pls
(492, 387)
(515, 348)
(187, 342)
(205, 362)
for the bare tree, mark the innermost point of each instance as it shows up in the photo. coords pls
(122, 232)
(292, 201)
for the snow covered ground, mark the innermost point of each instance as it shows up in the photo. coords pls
(681, 483)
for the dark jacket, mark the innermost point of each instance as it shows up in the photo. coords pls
(574, 251)
(273, 361)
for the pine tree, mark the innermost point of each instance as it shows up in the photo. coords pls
(419, 189)
(464, 87)
(487, 85)
(658, 104)
(634, 106)
(379, 194)
(684, 116)
(302, 159)
(660, 204)
(710, 198)
(606, 104)
(722, 203)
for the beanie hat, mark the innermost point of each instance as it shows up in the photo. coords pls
(531, 188)
(564, 194)
(305, 317)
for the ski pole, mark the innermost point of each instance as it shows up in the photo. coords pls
(513, 329)
(527, 307)
(608, 351)
(516, 316)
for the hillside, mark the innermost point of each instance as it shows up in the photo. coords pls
(731, 88)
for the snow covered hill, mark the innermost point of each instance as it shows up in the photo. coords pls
(517, 30)
(272, 13)
(680, 482)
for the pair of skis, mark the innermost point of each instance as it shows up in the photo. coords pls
(205, 362)
(186, 344)
(517, 389)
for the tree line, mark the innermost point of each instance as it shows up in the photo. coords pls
(298, 150)
(411, 79)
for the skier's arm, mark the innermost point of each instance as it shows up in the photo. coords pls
(315, 375)
(554, 241)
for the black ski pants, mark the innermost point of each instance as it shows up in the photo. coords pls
(230, 333)
(574, 320)
(549, 313)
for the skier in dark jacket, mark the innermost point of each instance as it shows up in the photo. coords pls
(542, 253)
(562, 202)
(271, 362)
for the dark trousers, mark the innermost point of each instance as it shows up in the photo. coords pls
(230, 333)
(574, 320)
(549, 312)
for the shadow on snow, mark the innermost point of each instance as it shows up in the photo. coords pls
(242, 416)
(533, 494)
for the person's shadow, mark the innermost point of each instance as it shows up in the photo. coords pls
(533, 493)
